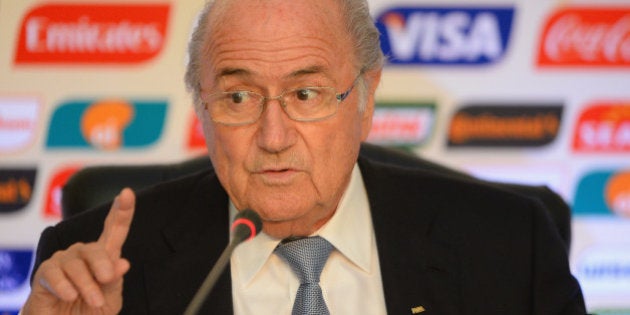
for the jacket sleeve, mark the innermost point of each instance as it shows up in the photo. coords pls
(84, 228)
(556, 291)
(47, 246)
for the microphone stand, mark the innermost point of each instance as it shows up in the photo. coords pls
(212, 277)
(246, 225)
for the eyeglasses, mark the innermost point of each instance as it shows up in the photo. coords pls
(310, 103)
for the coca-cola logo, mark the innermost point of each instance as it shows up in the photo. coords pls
(586, 36)
(102, 33)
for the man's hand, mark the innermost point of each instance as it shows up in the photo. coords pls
(86, 278)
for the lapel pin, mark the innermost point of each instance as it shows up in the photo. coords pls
(417, 310)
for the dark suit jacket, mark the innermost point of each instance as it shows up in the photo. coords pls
(450, 246)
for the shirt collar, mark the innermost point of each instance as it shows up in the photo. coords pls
(350, 228)
(349, 231)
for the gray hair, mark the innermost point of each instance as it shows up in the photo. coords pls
(358, 24)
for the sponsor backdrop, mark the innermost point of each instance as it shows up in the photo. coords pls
(535, 92)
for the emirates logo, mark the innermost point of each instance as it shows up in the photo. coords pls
(75, 33)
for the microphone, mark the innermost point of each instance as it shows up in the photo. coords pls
(246, 225)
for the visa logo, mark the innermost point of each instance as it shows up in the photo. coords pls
(107, 125)
(445, 36)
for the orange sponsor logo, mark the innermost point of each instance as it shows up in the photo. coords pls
(103, 123)
(586, 37)
(86, 33)
(617, 194)
(466, 127)
(603, 127)
(15, 190)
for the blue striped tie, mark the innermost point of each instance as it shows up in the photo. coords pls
(307, 257)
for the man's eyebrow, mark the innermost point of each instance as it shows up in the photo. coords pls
(240, 72)
(306, 71)
(233, 72)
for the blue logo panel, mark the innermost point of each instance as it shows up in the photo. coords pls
(445, 35)
(604, 193)
(14, 269)
(106, 124)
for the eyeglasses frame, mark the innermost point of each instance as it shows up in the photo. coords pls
(340, 97)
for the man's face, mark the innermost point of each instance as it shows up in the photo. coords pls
(292, 173)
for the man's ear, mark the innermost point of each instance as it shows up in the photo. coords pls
(372, 79)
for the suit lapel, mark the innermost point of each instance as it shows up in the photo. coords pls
(191, 246)
(419, 273)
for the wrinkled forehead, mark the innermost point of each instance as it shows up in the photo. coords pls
(277, 17)
(278, 27)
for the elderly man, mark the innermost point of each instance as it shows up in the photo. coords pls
(285, 91)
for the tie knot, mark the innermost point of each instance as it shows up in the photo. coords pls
(306, 256)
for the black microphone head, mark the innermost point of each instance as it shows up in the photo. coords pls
(247, 224)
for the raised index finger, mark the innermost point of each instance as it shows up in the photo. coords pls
(117, 223)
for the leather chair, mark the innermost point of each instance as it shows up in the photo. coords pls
(96, 185)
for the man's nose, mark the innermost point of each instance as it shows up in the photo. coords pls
(276, 131)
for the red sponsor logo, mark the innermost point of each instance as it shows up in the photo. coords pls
(586, 37)
(401, 125)
(603, 128)
(53, 197)
(196, 139)
(88, 33)
(18, 122)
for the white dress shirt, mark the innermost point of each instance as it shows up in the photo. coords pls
(262, 283)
